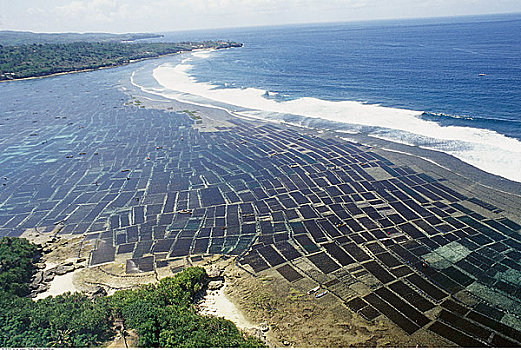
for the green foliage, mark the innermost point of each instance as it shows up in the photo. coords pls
(36, 60)
(8, 37)
(162, 313)
(16, 265)
(68, 320)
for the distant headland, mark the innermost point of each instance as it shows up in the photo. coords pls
(26, 55)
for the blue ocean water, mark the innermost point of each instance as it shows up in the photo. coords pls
(454, 72)
(430, 65)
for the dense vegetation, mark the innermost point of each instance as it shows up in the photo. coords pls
(36, 60)
(11, 37)
(162, 314)
(16, 265)
(64, 321)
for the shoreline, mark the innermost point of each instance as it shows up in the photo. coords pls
(451, 165)
(356, 115)
(93, 69)
(109, 67)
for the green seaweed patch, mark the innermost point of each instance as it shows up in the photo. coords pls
(193, 115)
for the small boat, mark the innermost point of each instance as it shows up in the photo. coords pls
(481, 74)
(311, 291)
(320, 295)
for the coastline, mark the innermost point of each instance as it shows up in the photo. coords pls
(292, 315)
(94, 69)
(484, 147)
(452, 172)
(111, 66)
(430, 159)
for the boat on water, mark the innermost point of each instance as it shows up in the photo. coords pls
(321, 294)
(313, 290)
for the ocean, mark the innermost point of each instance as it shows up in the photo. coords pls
(446, 84)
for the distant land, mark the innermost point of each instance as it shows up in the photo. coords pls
(10, 37)
(41, 54)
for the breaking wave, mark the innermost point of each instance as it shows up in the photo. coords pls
(485, 149)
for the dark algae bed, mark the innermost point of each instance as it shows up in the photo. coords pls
(391, 236)
(162, 313)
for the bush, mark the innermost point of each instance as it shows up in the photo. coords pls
(16, 265)
(162, 314)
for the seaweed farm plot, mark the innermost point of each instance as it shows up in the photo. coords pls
(389, 240)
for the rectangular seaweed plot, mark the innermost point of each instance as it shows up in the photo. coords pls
(427, 287)
(287, 250)
(201, 245)
(411, 313)
(105, 252)
(391, 313)
(306, 243)
(315, 231)
(242, 245)
(211, 196)
(181, 247)
(378, 271)
(255, 261)
(454, 335)
(142, 248)
(289, 273)
(126, 248)
(323, 262)
(339, 254)
(271, 255)
(497, 326)
(145, 264)
(411, 296)
(388, 259)
(357, 253)
(464, 325)
(162, 245)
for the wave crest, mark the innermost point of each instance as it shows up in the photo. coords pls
(485, 149)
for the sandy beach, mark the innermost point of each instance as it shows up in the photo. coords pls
(59, 285)
(216, 303)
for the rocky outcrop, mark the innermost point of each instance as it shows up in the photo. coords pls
(43, 277)
(95, 292)
(214, 273)
(214, 285)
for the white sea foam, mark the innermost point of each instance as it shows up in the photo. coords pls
(203, 53)
(485, 149)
